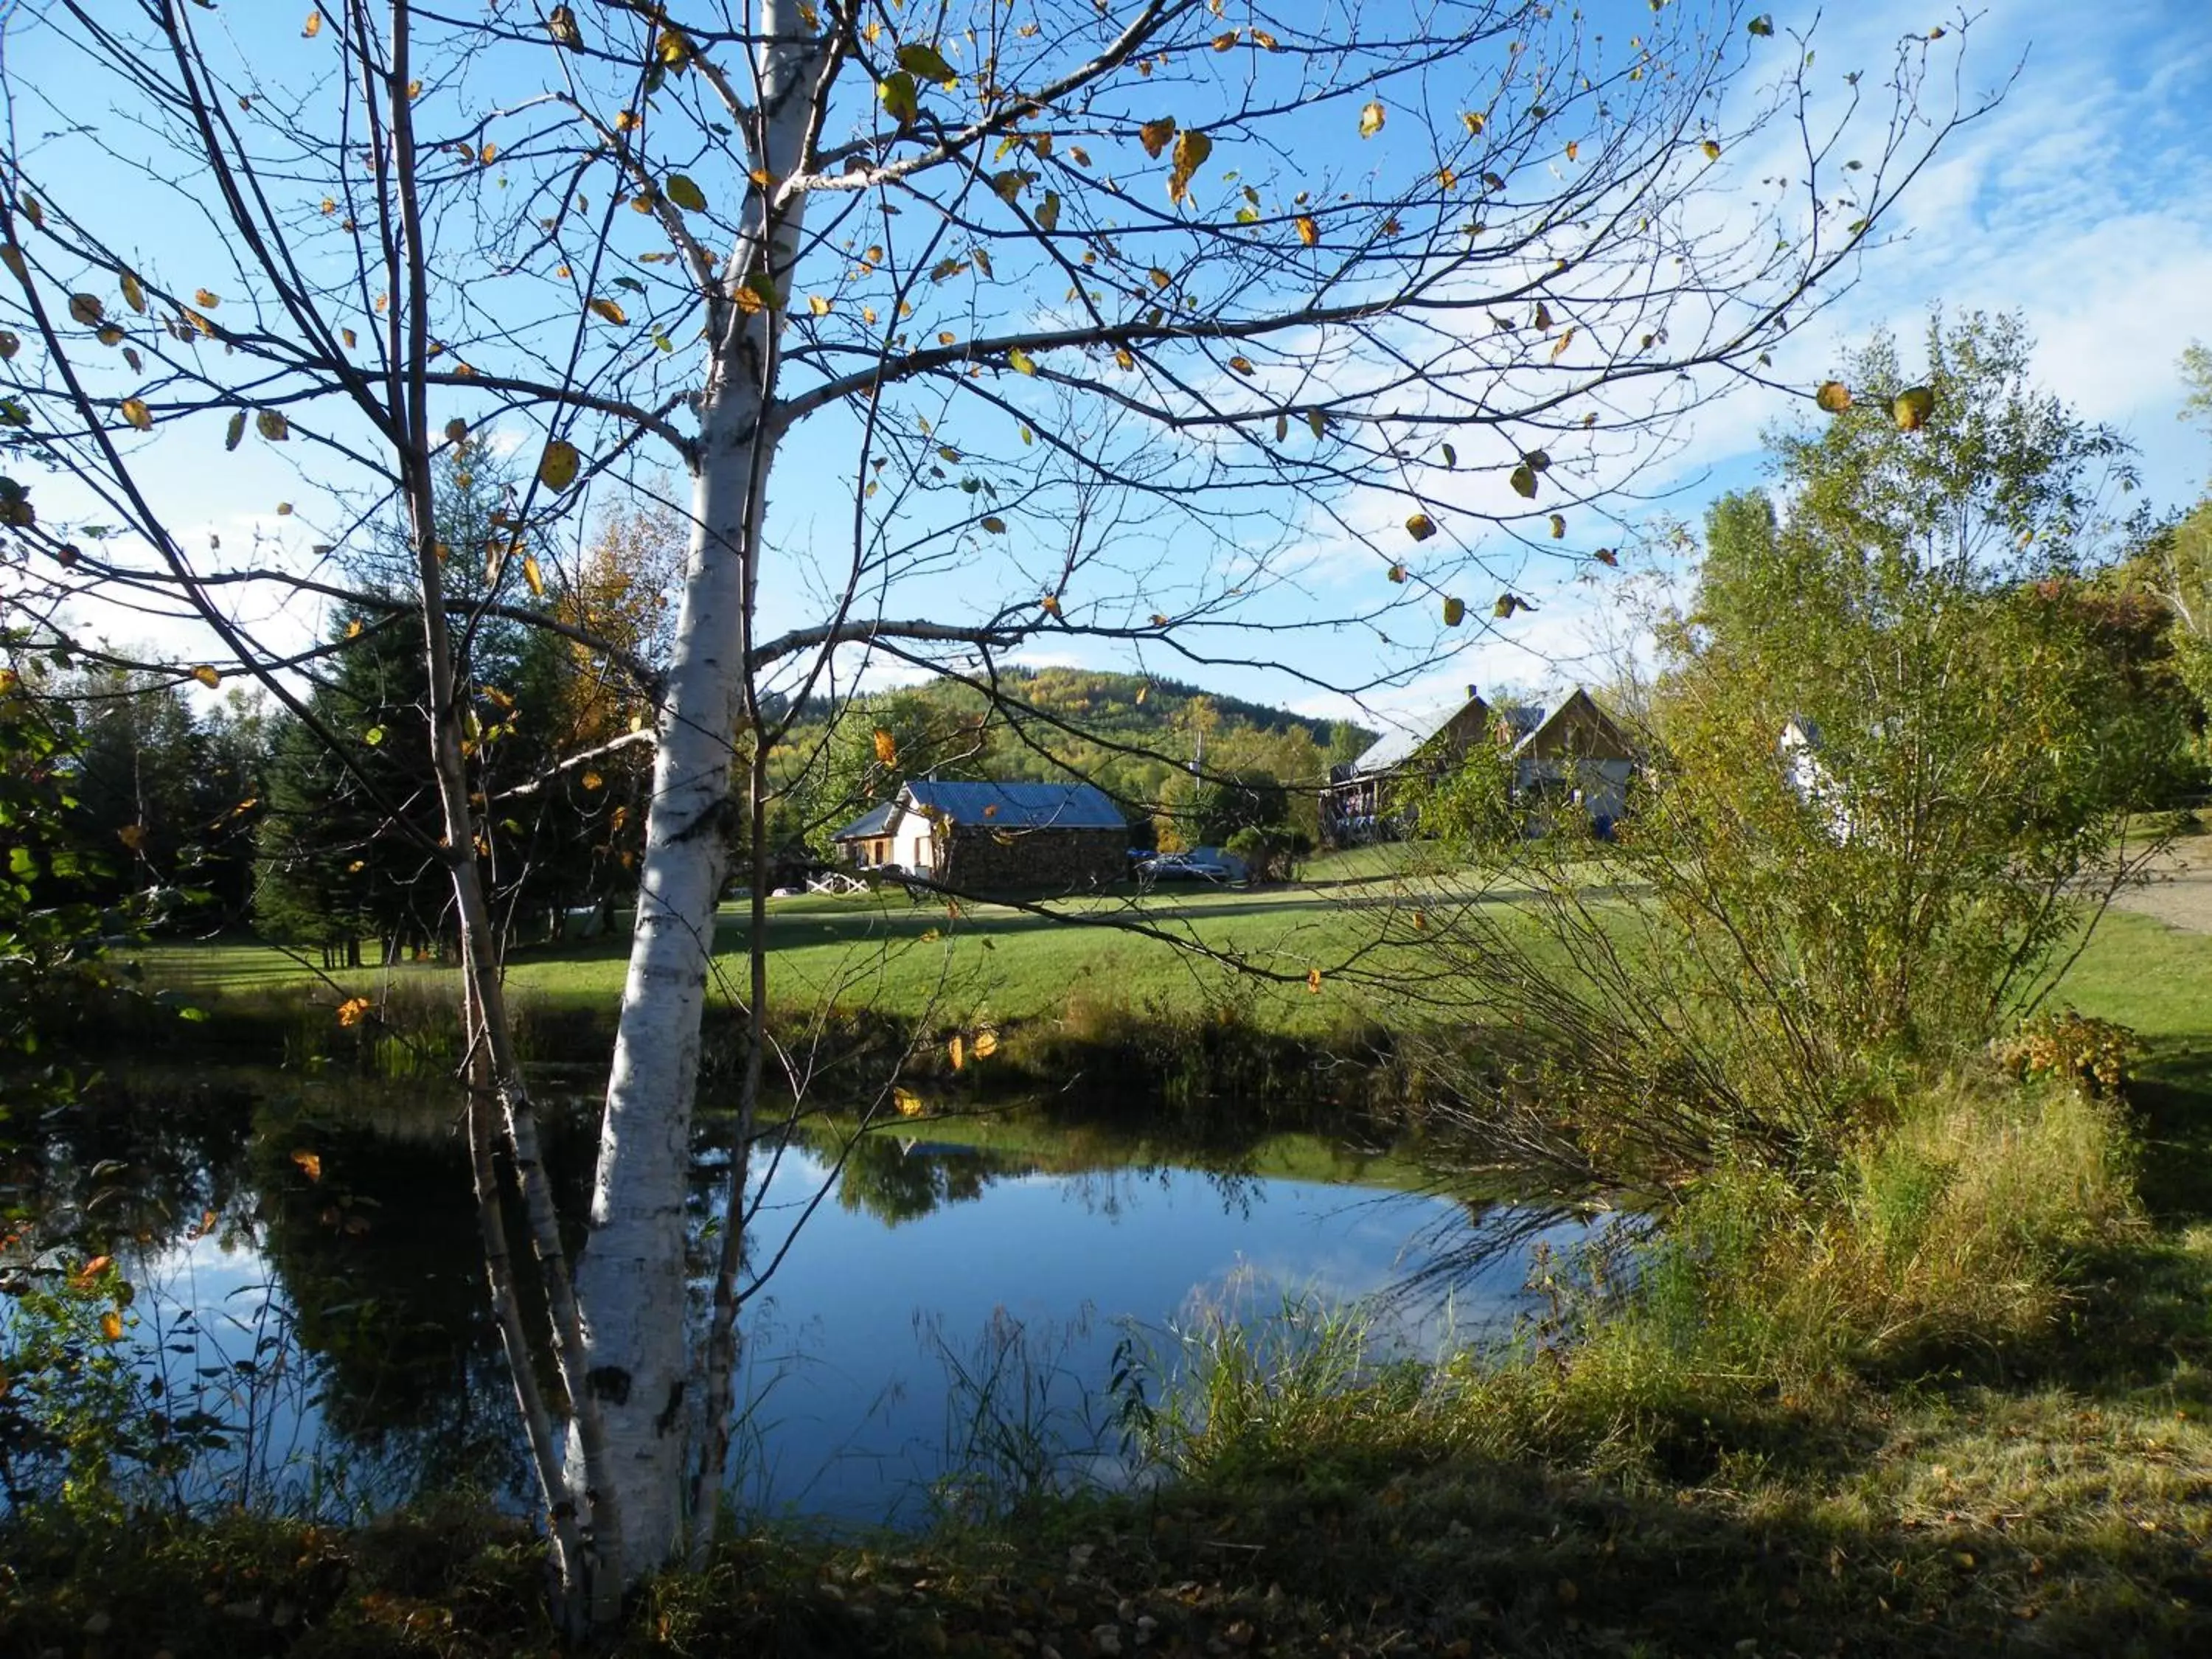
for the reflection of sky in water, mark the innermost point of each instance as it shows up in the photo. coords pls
(853, 1398)
(852, 1350)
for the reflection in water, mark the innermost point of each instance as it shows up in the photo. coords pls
(306, 1257)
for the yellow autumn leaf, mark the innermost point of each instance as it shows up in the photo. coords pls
(135, 411)
(909, 1103)
(593, 781)
(313, 25)
(1191, 150)
(534, 575)
(928, 62)
(1020, 361)
(1833, 396)
(817, 305)
(132, 835)
(271, 424)
(1313, 980)
(1309, 232)
(682, 191)
(311, 1164)
(1559, 526)
(1454, 613)
(1525, 481)
(956, 1051)
(86, 309)
(1154, 135)
(899, 95)
(608, 311)
(1371, 118)
(886, 748)
(1420, 526)
(1712, 150)
(456, 430)
(234, 431)
(1910, 408)
(558, 466)
(997, 526)
(111, 1326)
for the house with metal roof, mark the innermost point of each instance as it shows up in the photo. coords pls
(1572, 751)
(978, 836)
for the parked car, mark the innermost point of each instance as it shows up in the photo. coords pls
(1200, 864)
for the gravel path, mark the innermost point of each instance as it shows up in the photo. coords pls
(2180, 892)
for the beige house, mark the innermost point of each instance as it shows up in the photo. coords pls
(975, 836)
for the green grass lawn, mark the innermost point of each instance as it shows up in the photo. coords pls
(882, 950)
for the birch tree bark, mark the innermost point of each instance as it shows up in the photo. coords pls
(633, 1273)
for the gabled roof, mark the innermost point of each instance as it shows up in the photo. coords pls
(1398, 745)
(1016, 805)
(1529, 725)
(876, 821)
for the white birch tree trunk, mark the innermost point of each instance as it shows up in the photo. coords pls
(632, 1277)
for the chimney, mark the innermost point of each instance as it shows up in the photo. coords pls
(1472, 694)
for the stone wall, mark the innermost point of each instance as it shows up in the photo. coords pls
(1053, 861)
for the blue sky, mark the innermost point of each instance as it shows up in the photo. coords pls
(2084, 202)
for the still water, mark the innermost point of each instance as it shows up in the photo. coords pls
(949, 1314)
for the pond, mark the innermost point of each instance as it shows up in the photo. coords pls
(946, 1323)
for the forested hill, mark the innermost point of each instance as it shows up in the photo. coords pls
(1128, 706)
(1133, 736)
(1158, 714)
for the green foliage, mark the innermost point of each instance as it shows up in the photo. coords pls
(1469, 805)
(169, 792)
(1896, 738)
(78, 1433)
(54, 940)
(345, 847)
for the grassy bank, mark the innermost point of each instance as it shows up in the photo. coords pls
(1955, 1403)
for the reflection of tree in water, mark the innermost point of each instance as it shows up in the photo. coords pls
(379, 1253)
(357, 1199)
(134, 1161)
(898, 1179)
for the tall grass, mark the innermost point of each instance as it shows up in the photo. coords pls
(1949, 1237)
